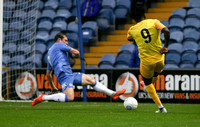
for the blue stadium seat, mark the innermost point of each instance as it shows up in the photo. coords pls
(27, 48)
(72, 27)
(192, 22)
(64, 13)
(45, 23)
(89, 30)
(105, 19)
(7, 15)
(17, 59)
(176, 36)
(22, 4)
(44, 59)
(193, 12)
(135, 60)
(127, 49)
(189, 46)
(186, 65)
(22, 15)
(179, 13)
(176, 24)
(34, 14)
(42, 35)
(16, 24)
(27, 35)
(65, 3)
(9, 5)
(53, 33)
(109, 4)
(10, 47)
(122, 59)
(122, 9)
(192, 35)
(174, 58)
(48, 13)
(171, 65)
(30, 23)
(62, 25)
(105, 65)
(40, 47)
(108, 59)
(6, 59)
(12, 35)
(193, 3)
(73, 38)
(189, 57)
(175, 47)
(5, 26)
(121, 65)
(49, 43)
(51, 4)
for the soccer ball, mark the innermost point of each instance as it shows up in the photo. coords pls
(130, 103)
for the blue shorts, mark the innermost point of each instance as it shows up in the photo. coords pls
(76, 79)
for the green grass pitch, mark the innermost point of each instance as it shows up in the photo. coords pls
(96, 114)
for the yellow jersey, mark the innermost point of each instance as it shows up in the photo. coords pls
(147, 38)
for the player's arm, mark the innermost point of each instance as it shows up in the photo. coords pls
(75, 53)
(129, 37)
(166, 33)
(50, 79)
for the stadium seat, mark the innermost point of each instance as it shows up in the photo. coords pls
(197, 65)
(122, 9)
(73, 38)
(50, 43)
(105, 65)
(53, 33)
(9, 5)
(176, 36)
(72, 27)
(189, 57)
(5, 26)
(17, 59)
(170, 65)
(109, 4)
(193, 12)
(192, 35)
(51, 4)
(64, 13)
(174, 58)
(12, 35)
(10, 47)
(40, 47)
(193, 22)
(7, 15)
(127, 48)
(22, 4)
(27, 48)
(121, 65)
(108, 59)
(45, 23)
(41, 5)
(48, 13)
(19, 14)
(30, 23)
(65, 3)
(91, 67)
(175, 47)
(135, 60)
(62, 25)
(44, 58)
(122, 59)
(89, 29)
(176, 24)
(16, 24)
(179, 13)
(34, 14)
(27, 35)
(105, 19)
(42, 35)
(193, 3)
(186, 65)
(6, 59)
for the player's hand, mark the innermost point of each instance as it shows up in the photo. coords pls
(163, 50)
(55, 90)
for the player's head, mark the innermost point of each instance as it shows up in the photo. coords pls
(60, 37)
(139, 14)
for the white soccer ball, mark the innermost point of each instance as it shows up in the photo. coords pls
(130, 103)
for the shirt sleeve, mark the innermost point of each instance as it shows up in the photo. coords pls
(64, 47)
(159, 25)
(129, 36)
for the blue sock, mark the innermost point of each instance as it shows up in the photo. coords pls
(66, 99)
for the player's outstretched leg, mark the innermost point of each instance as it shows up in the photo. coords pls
(118, 93)
(37, 100)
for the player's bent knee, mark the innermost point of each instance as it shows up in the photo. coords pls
(147, 81)
(70, 98)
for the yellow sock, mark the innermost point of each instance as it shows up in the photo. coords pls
(154, 79)
(152, 92)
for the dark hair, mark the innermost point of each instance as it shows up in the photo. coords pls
(138, 13)
(59, 35)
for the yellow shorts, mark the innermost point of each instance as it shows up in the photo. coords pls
(147, 71)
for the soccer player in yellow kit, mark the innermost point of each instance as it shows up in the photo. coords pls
(146, 35)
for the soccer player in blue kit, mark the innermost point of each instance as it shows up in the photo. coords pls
(58, 61)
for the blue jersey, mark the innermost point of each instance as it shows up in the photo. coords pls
(58, 61)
